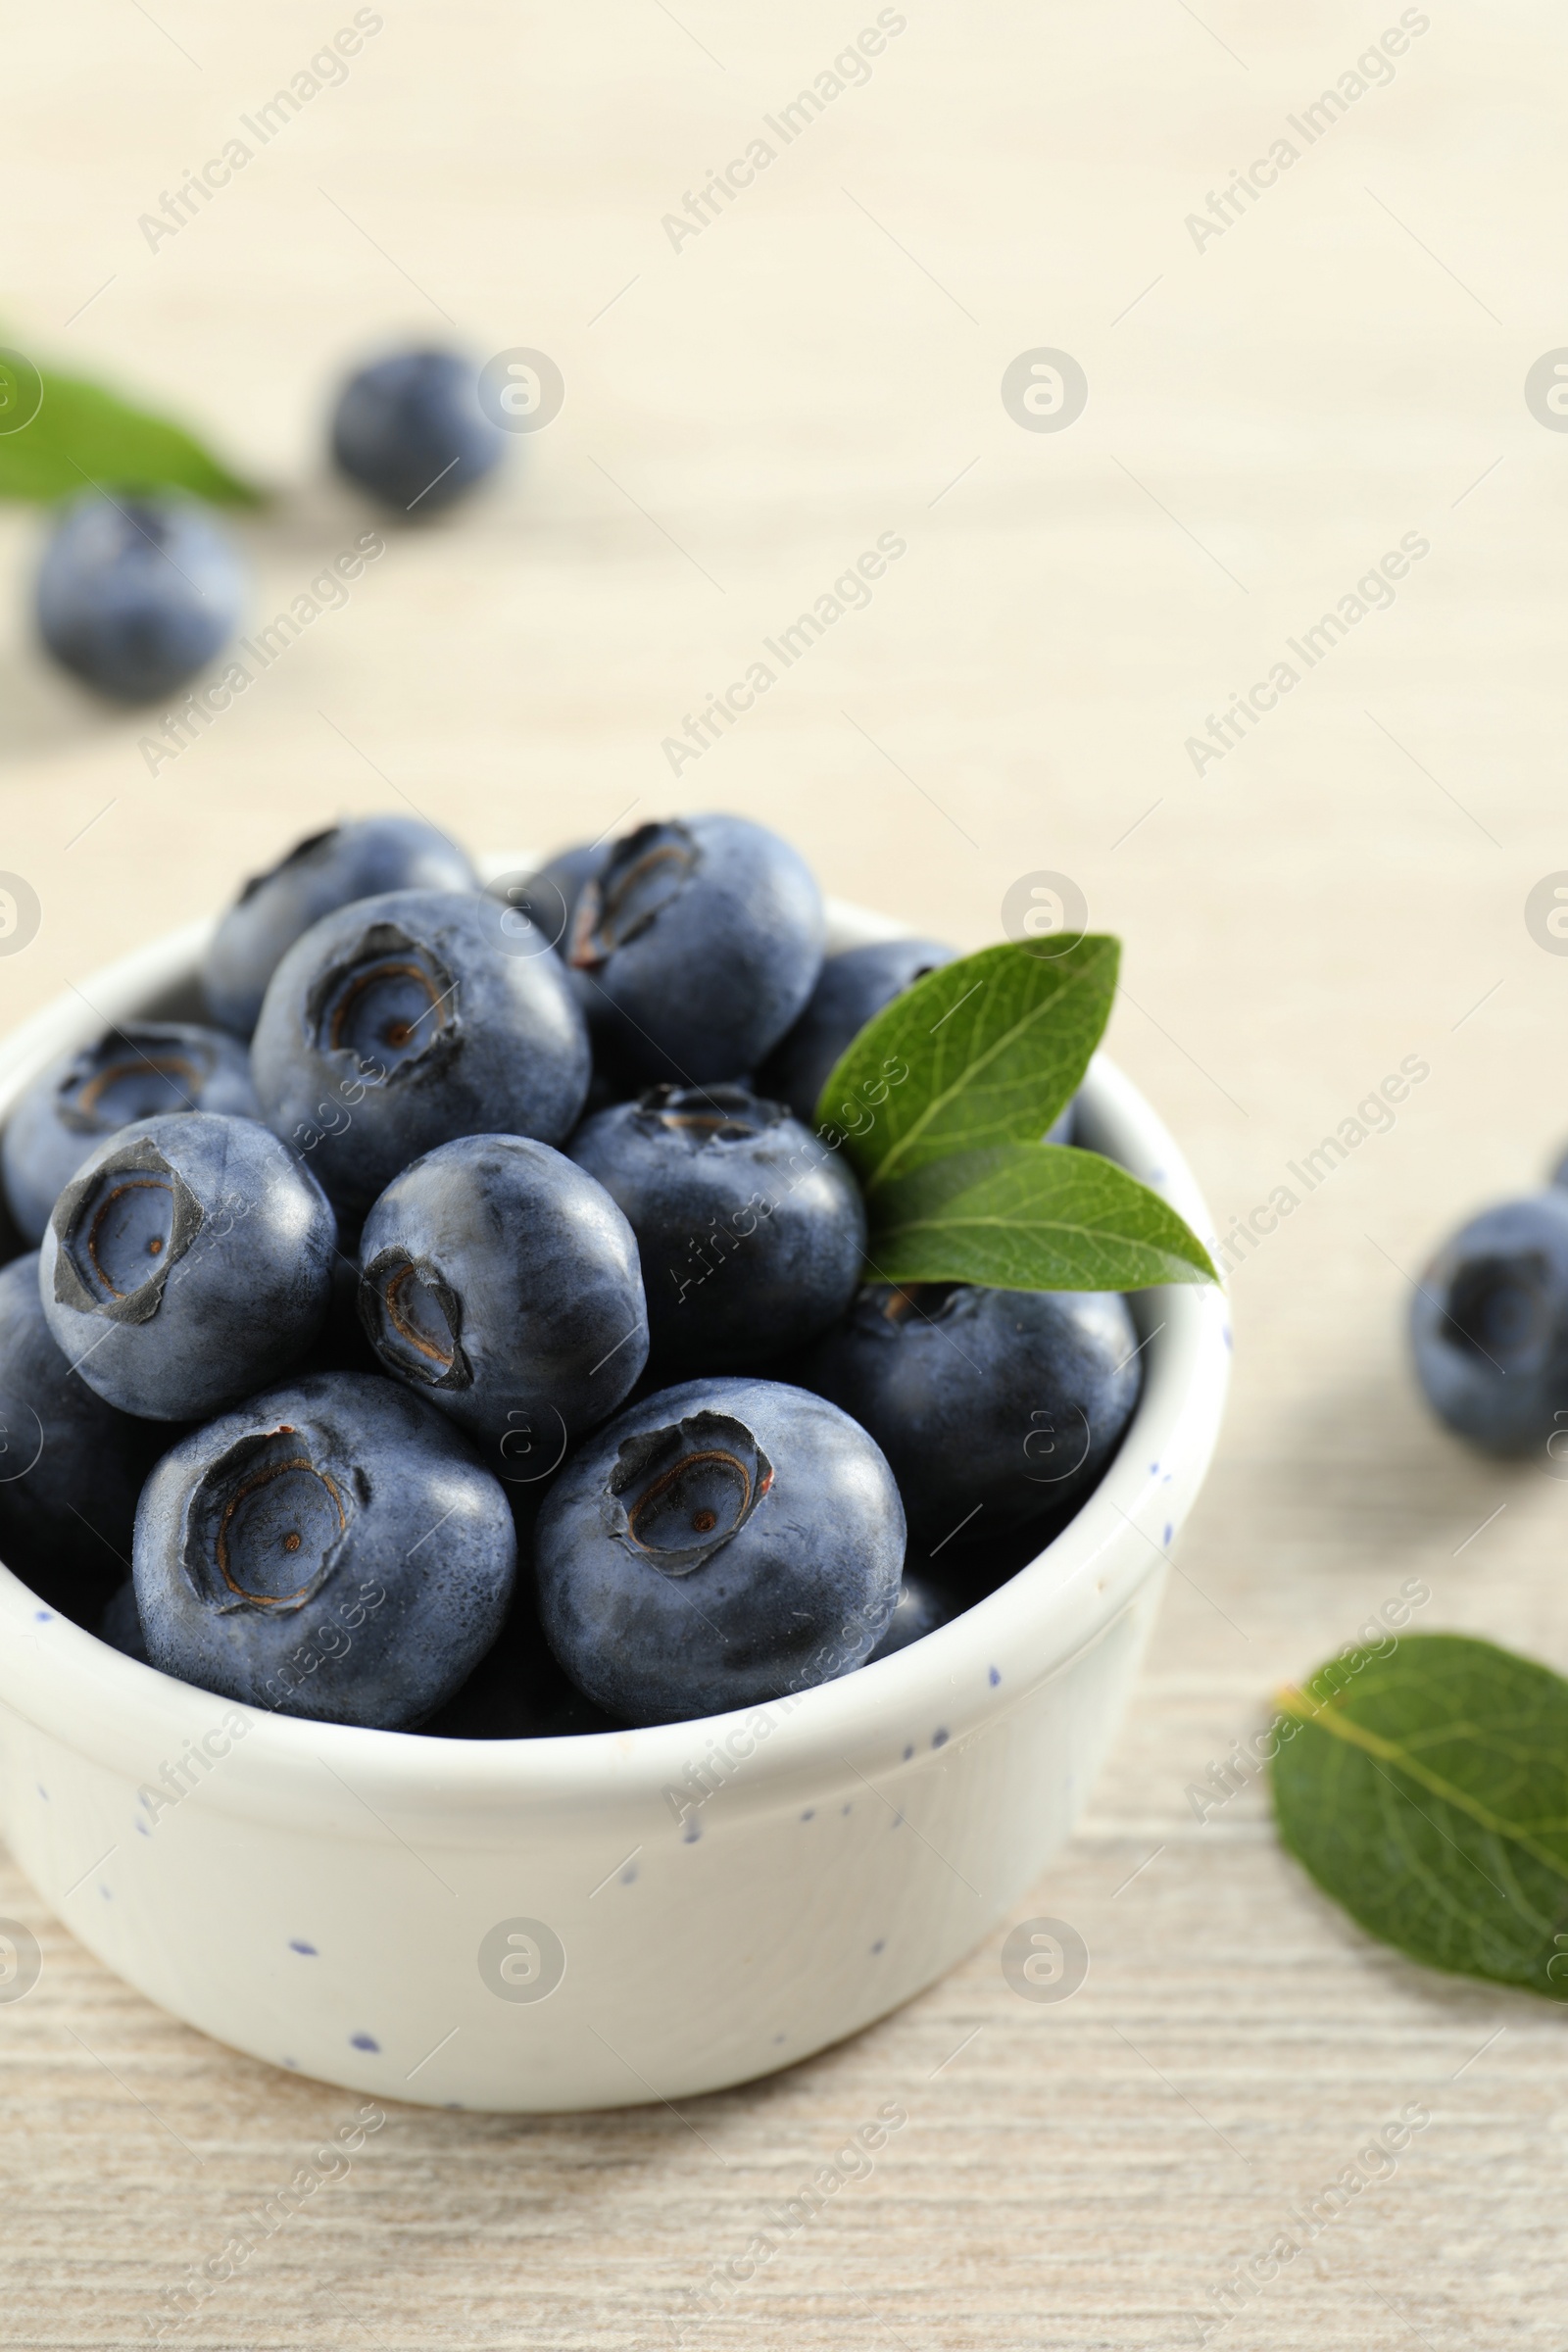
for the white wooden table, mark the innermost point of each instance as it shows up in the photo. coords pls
(1270, 411)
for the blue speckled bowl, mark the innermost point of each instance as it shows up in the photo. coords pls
(597, 1921)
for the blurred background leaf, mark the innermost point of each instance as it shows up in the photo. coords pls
(81, 436)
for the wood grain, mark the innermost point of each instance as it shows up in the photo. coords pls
(1270, 411)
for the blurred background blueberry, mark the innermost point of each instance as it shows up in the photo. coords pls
(410, 430)
(1489, 1328)
(135, 595)
(142, 1071)
(355, 860)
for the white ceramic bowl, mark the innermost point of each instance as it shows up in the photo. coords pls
(569, 1923)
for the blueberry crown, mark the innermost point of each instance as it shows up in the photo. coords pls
(267, 1525)
(648, 869)
(413, 1318)
(677, 1495)
(390, 1005)
(698, 1116)
(121, 1229)
(132, 1074)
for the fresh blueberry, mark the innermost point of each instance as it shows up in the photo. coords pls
(358, 860)
(502, 1283)
(703, 939)
(70, 1466)
(992, 1406)
(135, 596)
(1489, 1326)
(852, 989)
(547, 898)
(120, 1625)
(189, 1263)
(518, 1691)
(139, 1072)
(971, 1570)
(410, 430)
(718, 1545)
(540, 911)
(402, 1021)
(331, 1549)
(341, 1344)
(921, 1608)
(752, 1234)
(610, 1082)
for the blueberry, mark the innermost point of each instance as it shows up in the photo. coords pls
(341, 1344)
(120, 1625)
(70, 1466)
(518, 1691)
(852, 989)
(1489, 1326)
(704, 940)
(410, 430)
(921, 1608)
(750, 1231)
(718, 1545)
(139, 1072)
(331, 1549)
(359, 859)
(992, 1406)
(540, 911)
(548, 897)
(189, 1263)
(402, 1021)
(971, 1570)
(502, 1283)
(135, 595)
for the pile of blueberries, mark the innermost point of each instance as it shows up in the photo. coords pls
(135, 594)
(1489, 1328)
(488, 1346)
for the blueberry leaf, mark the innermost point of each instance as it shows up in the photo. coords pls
(1427, 1792)
(1031, 1217)
(985, 1051)
(83, 436)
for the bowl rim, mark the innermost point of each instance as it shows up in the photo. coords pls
(962, 1679)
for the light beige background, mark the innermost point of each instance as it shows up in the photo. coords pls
(1266, 417)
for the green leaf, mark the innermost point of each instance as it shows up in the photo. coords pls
(991, 1048)
(1427, 1792)
(82, 435)
(1031, 1217)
